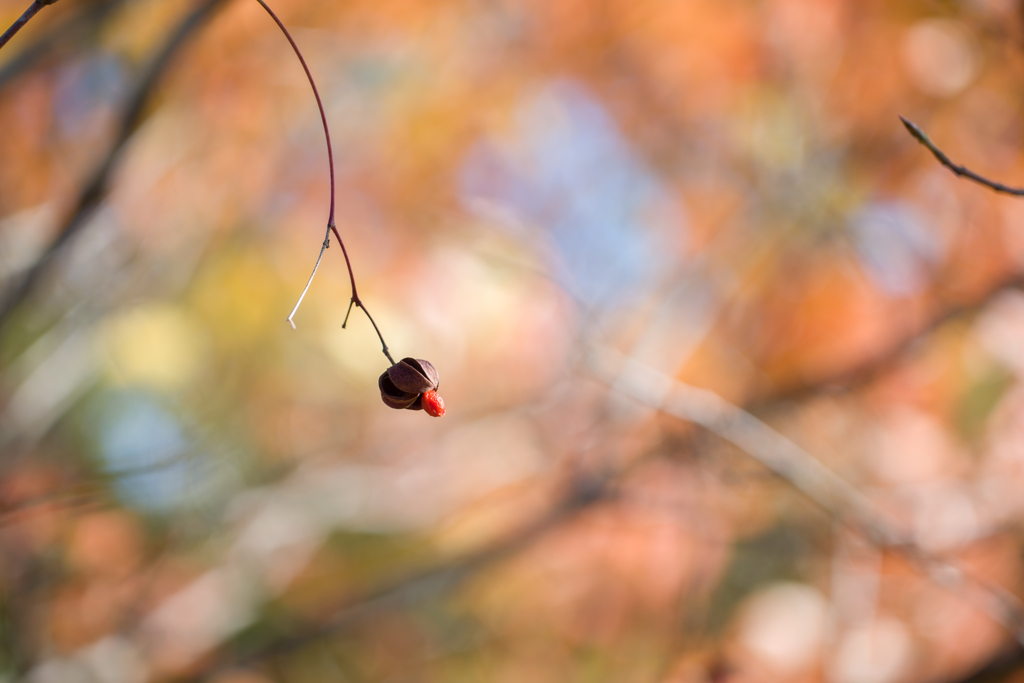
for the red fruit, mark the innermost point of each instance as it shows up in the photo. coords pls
(433, 404)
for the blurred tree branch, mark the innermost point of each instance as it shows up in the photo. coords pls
(97, 186)
(730, 422)
(582, 492)
(1000, 667)
(784, 458)
(871, 368)
(804, 472)
(69, 31)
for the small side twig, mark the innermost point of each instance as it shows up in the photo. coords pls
(331, 227)
(32, 10)
(316, 266)
(960, 171)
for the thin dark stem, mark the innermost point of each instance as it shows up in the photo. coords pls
(960, 171)
(384, 345)
(320, 104)
(32, 10)
(348, 264)
(354, 300)
(347, 313)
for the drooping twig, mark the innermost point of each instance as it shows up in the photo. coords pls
(32, 10)
(331, 227)
(96, 189)
(960, 171)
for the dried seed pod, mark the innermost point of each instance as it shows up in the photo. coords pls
(413, 375)
(403, 384)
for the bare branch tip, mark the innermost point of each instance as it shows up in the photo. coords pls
(914, 130)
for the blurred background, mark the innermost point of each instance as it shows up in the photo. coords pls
(718, 190)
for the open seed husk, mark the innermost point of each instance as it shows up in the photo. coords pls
(402, 385)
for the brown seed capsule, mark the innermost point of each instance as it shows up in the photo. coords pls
(403, 384)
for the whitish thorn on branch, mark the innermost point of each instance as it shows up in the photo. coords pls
(960, 171)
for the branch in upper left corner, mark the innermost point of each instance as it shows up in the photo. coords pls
(32, 10)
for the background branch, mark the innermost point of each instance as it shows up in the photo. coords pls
(788, 461)
(418, 586)
(803, 471)
(32, 10)
(69, 32)
(867, 370)
(700, 248)
(97, 186)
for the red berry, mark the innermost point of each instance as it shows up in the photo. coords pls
(433, 404)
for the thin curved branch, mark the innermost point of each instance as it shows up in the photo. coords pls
(960, 171)
(96, 189)
(331, 227)
(319, 104)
